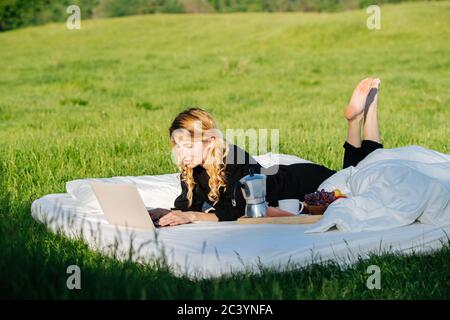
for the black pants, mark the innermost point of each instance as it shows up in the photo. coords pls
(295, 180)
(353, 155)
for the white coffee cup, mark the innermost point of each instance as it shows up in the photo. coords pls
(294, 206)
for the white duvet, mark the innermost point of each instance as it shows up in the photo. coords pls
(390, 188)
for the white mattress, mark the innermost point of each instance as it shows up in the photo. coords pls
(209, 249)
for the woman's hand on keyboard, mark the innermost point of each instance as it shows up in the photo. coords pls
(176, 217)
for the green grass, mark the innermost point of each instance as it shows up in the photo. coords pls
(98, 102)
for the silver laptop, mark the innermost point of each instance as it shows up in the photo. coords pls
(122, 205)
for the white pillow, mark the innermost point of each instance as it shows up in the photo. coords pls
(159, 191)
(270, 159)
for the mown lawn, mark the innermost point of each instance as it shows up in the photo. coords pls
(97, 102)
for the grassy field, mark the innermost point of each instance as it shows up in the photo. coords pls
(97, 102)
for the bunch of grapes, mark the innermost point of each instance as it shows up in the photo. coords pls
(320, 198)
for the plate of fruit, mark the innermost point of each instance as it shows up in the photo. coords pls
(317, 202)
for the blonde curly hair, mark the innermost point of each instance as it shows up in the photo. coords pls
(198, 125)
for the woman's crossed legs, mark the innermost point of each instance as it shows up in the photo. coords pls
(362, 108)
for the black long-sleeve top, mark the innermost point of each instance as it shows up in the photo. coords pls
(283, 182)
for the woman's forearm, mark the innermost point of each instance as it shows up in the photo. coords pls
(202, 216)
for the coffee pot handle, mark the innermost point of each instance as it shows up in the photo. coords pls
(233, 199)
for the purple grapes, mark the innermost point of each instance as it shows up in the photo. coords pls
(320, 198)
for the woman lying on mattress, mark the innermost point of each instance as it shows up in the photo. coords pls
(210, 165)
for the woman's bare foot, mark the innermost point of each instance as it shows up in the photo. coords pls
(372, 97)
(371, 130)
(355, 108)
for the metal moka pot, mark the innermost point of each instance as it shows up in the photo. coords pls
(253, 187)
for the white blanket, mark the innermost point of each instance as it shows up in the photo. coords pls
(390, 188)
(206, 249)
